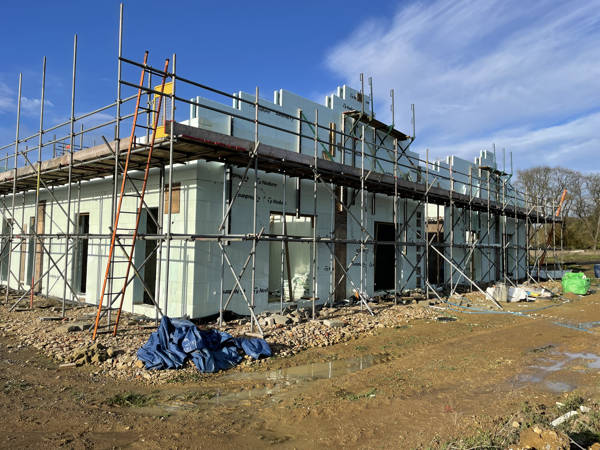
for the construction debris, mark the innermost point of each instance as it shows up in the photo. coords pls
(116, 356)
(522, 293)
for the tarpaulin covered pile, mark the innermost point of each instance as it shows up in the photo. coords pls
(178, 340)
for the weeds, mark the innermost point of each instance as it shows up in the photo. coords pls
(347, 395)
(572, 402)
(532, 414)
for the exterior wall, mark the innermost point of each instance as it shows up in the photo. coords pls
(195, 267)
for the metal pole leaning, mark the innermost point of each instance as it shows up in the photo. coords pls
(314, 234)
(113, 203)
(37, 190)
(160, 231)
(14, 187)
(170, 210)
(362, 211)
(71, 144)
(254, 217)
(426, 225)
(395, 210)
(226, 178)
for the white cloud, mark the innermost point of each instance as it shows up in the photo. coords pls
(478, 72)
(573, 144)
(6, 98)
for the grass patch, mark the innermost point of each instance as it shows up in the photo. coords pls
(129, 400)
(187, 377)
(347, 395)
(14, 386)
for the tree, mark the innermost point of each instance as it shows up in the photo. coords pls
(587, 207)
(580, 213)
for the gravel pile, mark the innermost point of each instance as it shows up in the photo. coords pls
(68, 340)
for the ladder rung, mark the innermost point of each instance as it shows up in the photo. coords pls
(144, 127)
(139, 144)
(116, 278)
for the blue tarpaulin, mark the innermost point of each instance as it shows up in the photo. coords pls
(178, 340)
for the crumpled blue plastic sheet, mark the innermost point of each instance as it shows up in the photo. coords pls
(177, 340)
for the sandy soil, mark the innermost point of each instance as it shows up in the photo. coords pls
(414, 386)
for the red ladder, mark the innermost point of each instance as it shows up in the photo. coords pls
(118, 232)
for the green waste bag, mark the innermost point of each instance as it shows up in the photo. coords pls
(575, 282)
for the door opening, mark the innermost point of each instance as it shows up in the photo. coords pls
(435, 235)
(5, 250)
(290, 261)
(80, 254)
(384, 257)
(150, 254)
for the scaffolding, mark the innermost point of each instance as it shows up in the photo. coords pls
(508, 240)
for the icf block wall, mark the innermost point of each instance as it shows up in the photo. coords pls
(270, 200)
(95, 199)
(284, 113)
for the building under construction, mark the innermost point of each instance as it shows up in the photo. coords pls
(220, 202)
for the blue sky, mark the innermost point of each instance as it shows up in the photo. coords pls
(522, 75)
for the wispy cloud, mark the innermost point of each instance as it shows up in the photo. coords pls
(525, 75)
(29, 106)
(6, 98)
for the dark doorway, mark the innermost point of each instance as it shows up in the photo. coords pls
(150, 254)
(5, 250)
(80, 258)
(435, 235)
(384, 256)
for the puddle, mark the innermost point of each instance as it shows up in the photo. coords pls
(317, 371)
(592, 360)
(276, 381)
(558, 386)
(554, 363)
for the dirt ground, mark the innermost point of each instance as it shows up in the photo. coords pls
(419, 385)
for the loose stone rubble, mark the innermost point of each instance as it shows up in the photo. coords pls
(293, 330)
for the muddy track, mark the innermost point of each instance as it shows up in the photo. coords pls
(401, 388)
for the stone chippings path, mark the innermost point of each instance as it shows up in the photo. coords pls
(68, 340)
